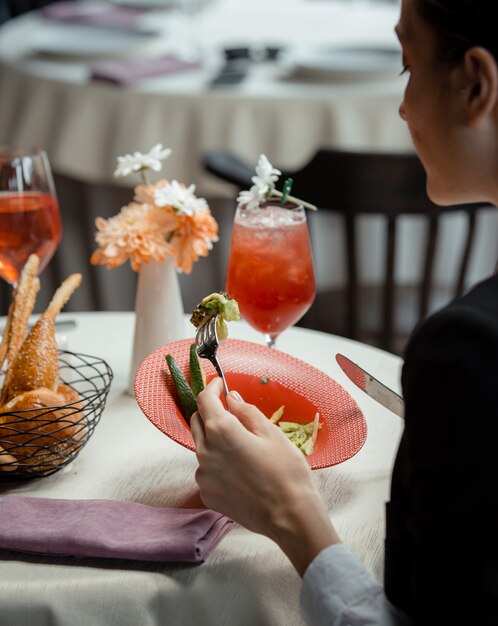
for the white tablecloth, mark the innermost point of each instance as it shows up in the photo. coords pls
(245, 580)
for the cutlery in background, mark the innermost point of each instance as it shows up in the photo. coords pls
(233, 72)
(371, 386)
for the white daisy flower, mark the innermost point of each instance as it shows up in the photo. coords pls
(252, 198)
(180, 197)
(266, 174)
(264, 184)
(137, 161)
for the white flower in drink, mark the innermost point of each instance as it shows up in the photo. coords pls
(264, 184)
(266, 175)
(264, 188)
(138, 162)
(180, 197)
(252, 198)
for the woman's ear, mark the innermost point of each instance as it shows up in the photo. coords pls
(481, 90)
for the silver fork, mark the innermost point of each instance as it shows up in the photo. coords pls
(206, 345)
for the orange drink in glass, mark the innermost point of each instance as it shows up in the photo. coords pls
(29, 212)
(270, 267)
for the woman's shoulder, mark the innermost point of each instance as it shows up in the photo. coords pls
(484, 296)
(451, 361)
(472, 316)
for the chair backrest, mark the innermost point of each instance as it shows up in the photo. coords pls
(354, 184)
(389, 185)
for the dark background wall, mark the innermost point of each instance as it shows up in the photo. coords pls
(12, 8)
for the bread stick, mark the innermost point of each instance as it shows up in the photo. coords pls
(24, 302)
(62, 295)
(4, 343)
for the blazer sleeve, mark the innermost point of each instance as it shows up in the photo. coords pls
(450, 386)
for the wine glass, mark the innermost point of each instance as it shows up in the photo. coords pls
(29, 212)
(270, 267)
(188, 31)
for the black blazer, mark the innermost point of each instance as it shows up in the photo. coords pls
(441, 561)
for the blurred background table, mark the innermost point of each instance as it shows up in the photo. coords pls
(246, 580)
(48, 98)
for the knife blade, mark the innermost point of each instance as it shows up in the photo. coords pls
(371, 386)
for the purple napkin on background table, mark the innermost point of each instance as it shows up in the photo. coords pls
(109, 529)
(129, 71)
(73, 12)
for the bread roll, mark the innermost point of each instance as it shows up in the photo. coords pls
(7, 461)
(36, 365)
(75, 414)
(37, 429)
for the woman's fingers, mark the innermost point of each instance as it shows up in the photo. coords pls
(209, 404)
(209, 397)
(235, 427)
(215, 416)
(197, 428)
(250, 416)
(219, 424)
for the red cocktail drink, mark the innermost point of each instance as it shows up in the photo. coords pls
(270, 270)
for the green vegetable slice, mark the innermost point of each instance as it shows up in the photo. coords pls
(186, 396)
(197, 376)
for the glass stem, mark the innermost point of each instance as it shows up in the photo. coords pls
(270, 339)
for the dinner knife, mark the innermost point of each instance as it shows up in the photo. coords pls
(371, 386)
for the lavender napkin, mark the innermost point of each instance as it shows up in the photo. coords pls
(73, 12)
(129, 71)
(109, 529)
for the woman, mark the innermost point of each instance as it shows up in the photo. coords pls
(441, 559)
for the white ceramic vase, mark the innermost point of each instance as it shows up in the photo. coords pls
(158, 312)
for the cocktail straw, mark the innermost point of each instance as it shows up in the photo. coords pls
(294, 200)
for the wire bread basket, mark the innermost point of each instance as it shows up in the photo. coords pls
(37, 442)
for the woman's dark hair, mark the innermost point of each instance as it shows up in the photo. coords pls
(460, 24)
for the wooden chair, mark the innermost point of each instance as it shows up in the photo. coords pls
(352, 185)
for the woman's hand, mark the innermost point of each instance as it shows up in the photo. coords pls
(250, 471)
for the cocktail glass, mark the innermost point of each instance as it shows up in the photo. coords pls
(29, 212)
(270, 267)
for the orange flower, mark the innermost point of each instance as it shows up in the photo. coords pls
(146, 194)
(164, 218)
(193, 238)
(139, 233)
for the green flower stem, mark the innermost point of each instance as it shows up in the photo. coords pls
(144, 176)
(294, 200)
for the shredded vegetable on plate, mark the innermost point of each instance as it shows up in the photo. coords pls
(302, 435)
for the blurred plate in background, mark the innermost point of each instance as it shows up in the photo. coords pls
(85, 41)
(343, 62)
